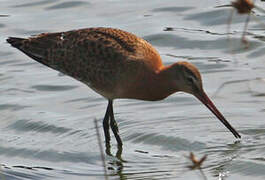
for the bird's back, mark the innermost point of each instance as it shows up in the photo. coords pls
(108, 60)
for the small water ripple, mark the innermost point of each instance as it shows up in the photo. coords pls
(48, 155)
(12, 107)
(173, 40)
(64, 5)
(33, 4)
(37, 126)
(176, 9)
(166, 142)
(53, 87)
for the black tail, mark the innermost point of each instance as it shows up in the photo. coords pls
(27, 47)
(15, 42)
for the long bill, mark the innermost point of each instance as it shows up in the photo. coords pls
(209, 104)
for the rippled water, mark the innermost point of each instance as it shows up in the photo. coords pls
(47, 129)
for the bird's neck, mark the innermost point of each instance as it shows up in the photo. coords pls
(151, 85)
(160, 84)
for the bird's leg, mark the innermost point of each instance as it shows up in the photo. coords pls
(106, 124)
(114, 125)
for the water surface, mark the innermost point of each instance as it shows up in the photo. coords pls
(47, 129)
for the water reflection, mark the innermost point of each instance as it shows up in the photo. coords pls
(116, 161)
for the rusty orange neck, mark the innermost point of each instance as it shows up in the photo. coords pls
(165, 81)
(152, 85)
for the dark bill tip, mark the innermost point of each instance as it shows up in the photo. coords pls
(209, 104)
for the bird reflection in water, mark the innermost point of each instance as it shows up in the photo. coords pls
(116, 161)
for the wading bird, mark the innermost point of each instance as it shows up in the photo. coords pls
(242, 7)
(116, 64)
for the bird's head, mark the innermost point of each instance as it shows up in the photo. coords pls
(187, 78)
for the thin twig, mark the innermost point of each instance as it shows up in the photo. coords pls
(197, 163)
(101, 150)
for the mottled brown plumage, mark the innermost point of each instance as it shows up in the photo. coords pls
(116, 64)
(105, 59)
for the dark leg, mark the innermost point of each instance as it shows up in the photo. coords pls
(113, 125)
(106, 124)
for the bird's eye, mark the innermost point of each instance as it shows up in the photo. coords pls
(190, 80)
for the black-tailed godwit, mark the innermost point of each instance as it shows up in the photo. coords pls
(116, 64)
